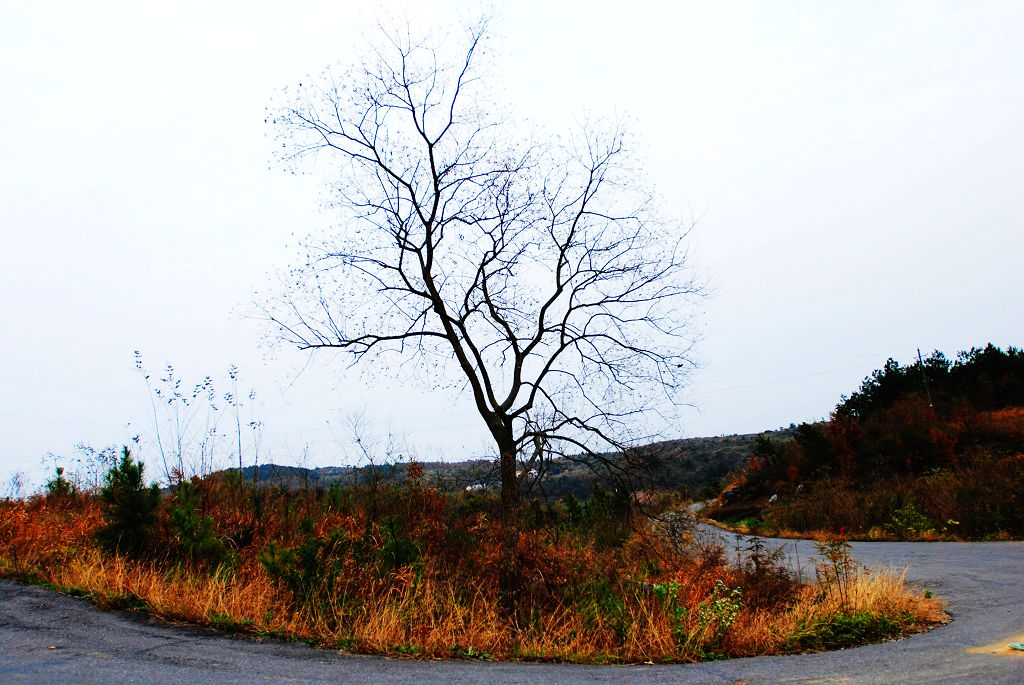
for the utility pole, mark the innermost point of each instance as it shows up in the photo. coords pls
(920, 363)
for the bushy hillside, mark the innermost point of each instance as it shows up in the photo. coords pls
(930, 449)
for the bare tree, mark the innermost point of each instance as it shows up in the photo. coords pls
(538, 270)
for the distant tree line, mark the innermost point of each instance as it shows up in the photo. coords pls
(985, 378)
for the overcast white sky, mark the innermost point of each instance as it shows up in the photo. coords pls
(858, 168)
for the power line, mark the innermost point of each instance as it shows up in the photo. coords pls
(779, 380)
(441, 418)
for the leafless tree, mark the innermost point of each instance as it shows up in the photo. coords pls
(538, 270)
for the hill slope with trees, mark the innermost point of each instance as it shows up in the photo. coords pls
(932, 449)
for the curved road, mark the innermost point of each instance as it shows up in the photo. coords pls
(46, 637)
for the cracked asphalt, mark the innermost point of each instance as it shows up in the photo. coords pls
(46, 637)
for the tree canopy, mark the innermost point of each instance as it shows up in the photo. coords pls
(535, 273)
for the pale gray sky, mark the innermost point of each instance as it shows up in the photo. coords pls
(857, 166)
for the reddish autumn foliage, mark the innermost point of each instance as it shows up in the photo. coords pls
(408, 570)
(902, 459)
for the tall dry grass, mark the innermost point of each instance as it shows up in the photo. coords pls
(643, 600)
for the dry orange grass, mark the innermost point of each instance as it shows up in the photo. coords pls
(430, 613)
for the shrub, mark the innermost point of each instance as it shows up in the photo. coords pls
(309, 571)
(836, 570)
(195, 535)
(605, 517)
(843, 630)
(700, 631)
(766, 580)
(60, 488)
(907, 522)
(129, 509)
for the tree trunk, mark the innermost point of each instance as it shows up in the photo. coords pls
(509, 579)
(509, 488)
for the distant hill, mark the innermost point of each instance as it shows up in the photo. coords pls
(698, 467)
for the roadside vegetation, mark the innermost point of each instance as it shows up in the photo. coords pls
(404, 569)
(929, 451)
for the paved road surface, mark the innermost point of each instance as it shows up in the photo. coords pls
(46, 637)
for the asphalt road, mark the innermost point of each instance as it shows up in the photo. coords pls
(46, 637)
